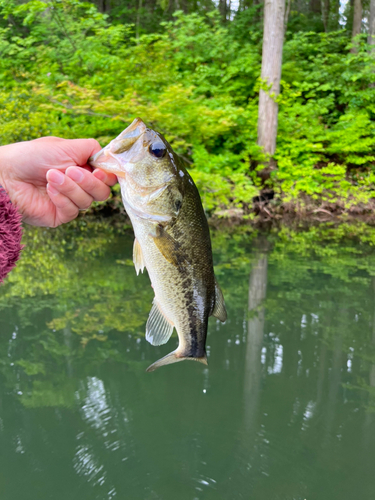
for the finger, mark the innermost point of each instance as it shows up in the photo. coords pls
(66, 210)
(107, 178)
(69, 188)
(89, 183)
(80, 150)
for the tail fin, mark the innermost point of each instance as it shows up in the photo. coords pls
(174, 357)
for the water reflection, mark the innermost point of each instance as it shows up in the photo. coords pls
(95, 408)
(284, 411)
(255, 334)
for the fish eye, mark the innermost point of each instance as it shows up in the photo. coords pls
(157, 149)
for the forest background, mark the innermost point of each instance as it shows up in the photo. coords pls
(191, 70)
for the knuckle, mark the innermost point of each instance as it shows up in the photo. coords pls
(95, 143)
(64, 203)
(103, 195)
(69, 187)
(88, 183)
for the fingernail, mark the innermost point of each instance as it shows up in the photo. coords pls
(75, 173)
(52, 190)
(55, 176)
(99, 174)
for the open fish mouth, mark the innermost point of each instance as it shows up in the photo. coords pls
(113, 157)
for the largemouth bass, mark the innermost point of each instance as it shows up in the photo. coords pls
(172, 239)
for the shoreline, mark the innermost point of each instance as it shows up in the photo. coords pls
(262, 214)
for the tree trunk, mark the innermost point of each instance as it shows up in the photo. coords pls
(286, 17)
(138, 23)
(325, 13)
(371, 31)
(315, 7)
(258, 13)
(223, 9)
(357, 22)
(273, 38)
(104, 6)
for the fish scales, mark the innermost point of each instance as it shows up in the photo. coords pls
(172, 239)
(192, 287)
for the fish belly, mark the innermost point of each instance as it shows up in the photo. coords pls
(179, 298)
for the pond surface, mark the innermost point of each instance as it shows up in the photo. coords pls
(285, 410)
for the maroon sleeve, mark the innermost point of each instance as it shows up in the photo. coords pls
(10, 234)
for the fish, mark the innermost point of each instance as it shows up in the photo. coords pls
(172, 239)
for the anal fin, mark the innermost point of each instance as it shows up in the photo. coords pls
(158, 328)
(138, 257)
(219, 311)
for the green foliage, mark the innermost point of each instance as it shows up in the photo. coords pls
(65, 70)
(326, 140)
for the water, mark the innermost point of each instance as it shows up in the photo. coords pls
(286, 409)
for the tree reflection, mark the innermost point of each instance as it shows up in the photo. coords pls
(255, 332)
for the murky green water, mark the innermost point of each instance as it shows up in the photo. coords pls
(286, 409)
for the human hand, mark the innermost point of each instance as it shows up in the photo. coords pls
(49, 180)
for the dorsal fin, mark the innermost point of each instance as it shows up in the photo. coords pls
(219, 311)
(158, 328)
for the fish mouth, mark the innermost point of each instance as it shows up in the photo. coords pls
(112, 158)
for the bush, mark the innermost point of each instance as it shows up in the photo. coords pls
(66, 71)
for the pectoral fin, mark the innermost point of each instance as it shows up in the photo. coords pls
(219, 311)
(158, 328)
(169, 247)
(138, 257)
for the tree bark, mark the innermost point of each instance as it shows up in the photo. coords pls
(104, 6)
(357, 22)
(138, 23)
(334, 15)
(371, 31)
(258, 13)
(223, 9)
(273, 38)
(286, 17)
(325, 13)
(315, 7)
